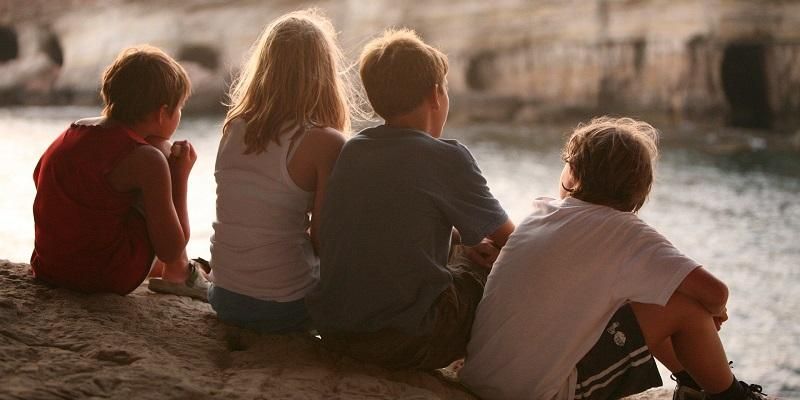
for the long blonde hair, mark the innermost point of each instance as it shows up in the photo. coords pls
(295, 74)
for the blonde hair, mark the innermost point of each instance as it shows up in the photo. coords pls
(141, 80)
(612, 162)
(398, 70)
(295, 73)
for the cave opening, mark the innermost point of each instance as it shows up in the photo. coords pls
(51, 46)
(204, 55)
(9, 44)
(481, 71)
(744, 81)
(639, 54)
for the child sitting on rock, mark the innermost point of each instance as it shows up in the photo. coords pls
(387, 294)
(585, 293)
(280, 140)
(111, 190)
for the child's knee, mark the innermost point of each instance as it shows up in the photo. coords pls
(658, 323)
(688, 306)
(687, 312)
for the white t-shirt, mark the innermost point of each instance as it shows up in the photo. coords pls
(261, 246)
(564, 272)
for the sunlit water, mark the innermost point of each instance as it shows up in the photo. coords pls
(739, 215)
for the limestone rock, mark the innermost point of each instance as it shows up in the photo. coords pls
(730, 60)
(55, 343)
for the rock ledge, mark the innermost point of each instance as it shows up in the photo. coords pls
(57, 344)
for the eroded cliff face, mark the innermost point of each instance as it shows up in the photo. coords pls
(734, 61)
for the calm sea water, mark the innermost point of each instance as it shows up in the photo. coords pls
(737, 214)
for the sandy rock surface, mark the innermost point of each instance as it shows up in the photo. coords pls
(58, 344)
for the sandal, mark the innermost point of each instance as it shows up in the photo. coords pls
(202, 264)
(195, 286)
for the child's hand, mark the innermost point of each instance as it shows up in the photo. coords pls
(483, 253)
(181, 159)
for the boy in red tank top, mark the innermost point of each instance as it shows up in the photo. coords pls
(111, 190)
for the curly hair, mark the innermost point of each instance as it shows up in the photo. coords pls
(612, 160)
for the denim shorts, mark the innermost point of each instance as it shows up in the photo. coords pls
(262, 316)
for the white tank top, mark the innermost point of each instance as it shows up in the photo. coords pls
(261, 247)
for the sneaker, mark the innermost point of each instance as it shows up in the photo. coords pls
(753, 391)
(686, 393)
(683, 392)
(195, 286)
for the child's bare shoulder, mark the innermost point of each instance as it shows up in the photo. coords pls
(326, 133)
(94, 121)
(148, 157)
(142, 166)
(325, 137)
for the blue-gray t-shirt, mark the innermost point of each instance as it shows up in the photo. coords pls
(390, 205)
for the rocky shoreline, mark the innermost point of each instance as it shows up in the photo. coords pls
(730, 63)
(58, 344)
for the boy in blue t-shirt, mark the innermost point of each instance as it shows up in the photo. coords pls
(397, 199)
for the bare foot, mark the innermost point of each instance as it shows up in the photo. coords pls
(176, 271)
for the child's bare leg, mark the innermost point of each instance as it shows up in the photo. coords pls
(665, 353)
(176, 271)
(693, 335)
(157, 268)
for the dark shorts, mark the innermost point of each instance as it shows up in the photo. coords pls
(262, 316)
(453, 313)
(619, 364)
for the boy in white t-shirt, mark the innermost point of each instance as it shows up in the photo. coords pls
(584, 293)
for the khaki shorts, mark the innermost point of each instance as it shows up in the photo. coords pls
(453, 313)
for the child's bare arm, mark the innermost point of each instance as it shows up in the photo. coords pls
(178, 154)
(311, 166)
(181, 160)
(149, 172)
(500, 236)
(329, 145)
(486, 252)
(707, 290)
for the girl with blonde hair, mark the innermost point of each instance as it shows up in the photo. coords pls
(281, 137)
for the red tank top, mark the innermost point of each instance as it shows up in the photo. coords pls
(89, 237)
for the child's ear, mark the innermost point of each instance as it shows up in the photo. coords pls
(435, 96)
(163, 114)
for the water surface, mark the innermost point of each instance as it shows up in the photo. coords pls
(738, 214)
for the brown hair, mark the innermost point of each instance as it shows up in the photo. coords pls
(295, 73)
(398, 70)
(612, 162)
(139, 81)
